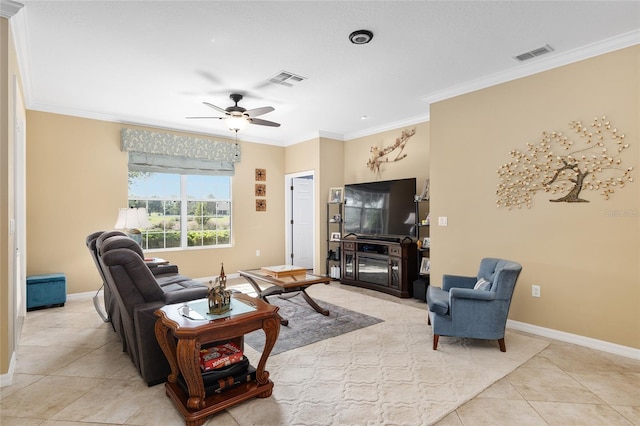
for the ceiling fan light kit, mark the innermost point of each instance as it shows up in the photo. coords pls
(361, 36)
(238, 118)
(237, 122)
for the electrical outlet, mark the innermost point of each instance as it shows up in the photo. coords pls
(257, 252)
(442, 221)
(535, 290)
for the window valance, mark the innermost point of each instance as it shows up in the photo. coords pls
(168, 153)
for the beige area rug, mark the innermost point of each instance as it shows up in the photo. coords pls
(384, 374)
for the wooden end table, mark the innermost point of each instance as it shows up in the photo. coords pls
(286, 284)
(181, 338)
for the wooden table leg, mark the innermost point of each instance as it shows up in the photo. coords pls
(188, 354)
(271, 328)
(168, 346)
(314, 305)
(255, 286)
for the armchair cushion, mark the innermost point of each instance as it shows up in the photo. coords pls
(438, 300)
(482, 284)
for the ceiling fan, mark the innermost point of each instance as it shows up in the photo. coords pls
(238, 117)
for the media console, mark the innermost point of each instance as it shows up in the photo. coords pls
(387, 264)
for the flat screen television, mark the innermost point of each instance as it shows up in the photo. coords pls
(383, 208)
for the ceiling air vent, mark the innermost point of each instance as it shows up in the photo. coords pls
(535, 52)
(285, 78)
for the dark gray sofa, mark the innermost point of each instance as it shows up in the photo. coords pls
(138, 291)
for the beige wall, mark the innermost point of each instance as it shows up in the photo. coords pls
(325, 157)
(416, 164)
(77, 180)
(8, 102)
(331, 171)
(583, 255)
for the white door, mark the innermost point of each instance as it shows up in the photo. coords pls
(302, 222)
(18, 226)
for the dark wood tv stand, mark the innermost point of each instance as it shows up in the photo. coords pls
(379, 264)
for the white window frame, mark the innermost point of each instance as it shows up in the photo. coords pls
(184, 200)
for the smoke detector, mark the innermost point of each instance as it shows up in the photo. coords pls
(361, 37)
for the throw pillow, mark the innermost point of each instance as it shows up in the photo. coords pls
(482, 284)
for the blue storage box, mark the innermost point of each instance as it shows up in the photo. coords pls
(46, 290)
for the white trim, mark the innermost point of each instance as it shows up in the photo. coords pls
(7, 378)
(9, 8)
(389, 126)
(536, 66)
(588, 342)
(81, 296)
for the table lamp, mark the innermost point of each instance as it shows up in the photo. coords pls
(131, 220)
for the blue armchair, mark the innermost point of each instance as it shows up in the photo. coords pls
(475, 307)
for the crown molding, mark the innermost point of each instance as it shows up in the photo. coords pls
(601, 47)
(8, 8)
(389, 126)
(554, 60)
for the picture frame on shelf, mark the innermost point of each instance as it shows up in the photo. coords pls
(426, 242)
(336, 195)
(425, 266)
(335, 236)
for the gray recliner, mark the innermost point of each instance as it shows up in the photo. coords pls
(139, 293)
(457, 309)
(111, 309)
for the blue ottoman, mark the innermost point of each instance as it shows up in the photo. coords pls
(46, 290)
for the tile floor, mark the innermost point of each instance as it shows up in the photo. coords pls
(58, 384)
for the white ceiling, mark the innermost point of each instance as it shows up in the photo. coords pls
(155, 62)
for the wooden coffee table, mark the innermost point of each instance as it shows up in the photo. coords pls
(181, 337)
(286, 284)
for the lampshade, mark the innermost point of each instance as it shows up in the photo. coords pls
(237, 122)
(132, 218)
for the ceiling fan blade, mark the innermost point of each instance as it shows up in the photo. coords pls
(219, 118)
(217, 108)
(262, 122)
(258, 111)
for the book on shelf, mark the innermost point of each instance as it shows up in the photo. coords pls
(219, 356)
(245, 374)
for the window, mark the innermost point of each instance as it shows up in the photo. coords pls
(185, 210)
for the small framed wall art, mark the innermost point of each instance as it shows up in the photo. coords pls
(261, 175)
(261, 205)
(261, 190)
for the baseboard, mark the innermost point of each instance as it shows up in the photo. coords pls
(7, 378)
(205, 280)
(81, 296)
(588, 342)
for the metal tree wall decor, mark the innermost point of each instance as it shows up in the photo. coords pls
(378, 156)
(587, 159)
